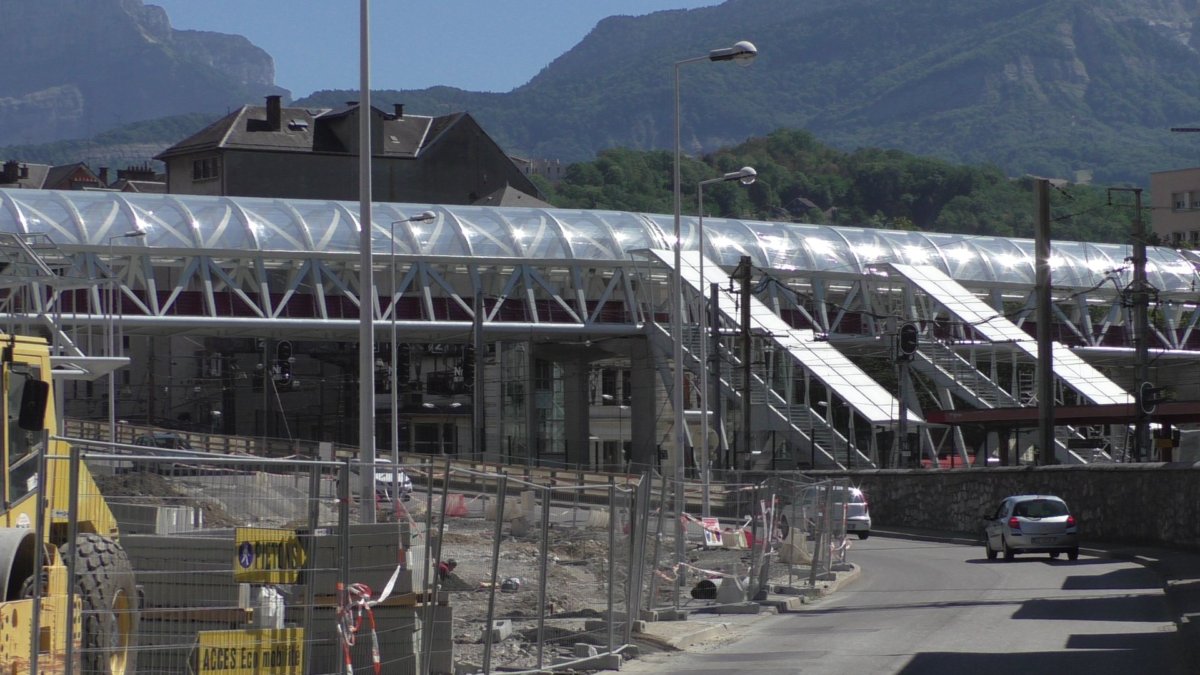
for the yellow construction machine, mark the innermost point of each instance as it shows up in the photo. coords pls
(101, 636)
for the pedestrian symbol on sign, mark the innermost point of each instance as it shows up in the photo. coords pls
(246, 555)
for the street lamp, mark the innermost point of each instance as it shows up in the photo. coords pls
(742, 53)
(423, 217)
(746, 175)
(112, 340)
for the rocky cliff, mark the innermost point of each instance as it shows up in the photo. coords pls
(73, 68)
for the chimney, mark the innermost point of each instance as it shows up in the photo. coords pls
(139, 172)
(103, 176)
(10, 173)
(399, 110)
(274, 113)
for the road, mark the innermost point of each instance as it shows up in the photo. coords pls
(937, 608)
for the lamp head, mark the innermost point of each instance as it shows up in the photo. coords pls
(746, 175)
(424, 217)
(742, 52)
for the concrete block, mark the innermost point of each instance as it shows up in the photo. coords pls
(519, 527)
(792, 604)
(500, 630)
(742, 608)
(639, 626)
(467, 668)
(731, 590)
(399, 630)
(665, 615)
(582, 650)
(529, 510)
(601, 662)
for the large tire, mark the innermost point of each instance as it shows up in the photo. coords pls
(105, 584)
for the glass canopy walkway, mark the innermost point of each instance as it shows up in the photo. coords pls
(78, 266)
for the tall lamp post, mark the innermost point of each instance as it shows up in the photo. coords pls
(423, 217)
(113, 280)
(741, 52)
(366, 278)
(746, 175)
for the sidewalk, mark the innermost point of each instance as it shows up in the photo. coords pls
(1179, 571)
(697, 623)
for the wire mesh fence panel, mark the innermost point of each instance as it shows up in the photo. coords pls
(798, 532)
(660, 575)
(525, 566)
(269, 561)
(256, 561)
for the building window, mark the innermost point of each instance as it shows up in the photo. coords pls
(1194, 236)
(204, 169)
(1179, 199)
(1176, 237)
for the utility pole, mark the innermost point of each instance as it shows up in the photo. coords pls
(1045, 363)
(742, 273)
(907, 340)
(1138, 295)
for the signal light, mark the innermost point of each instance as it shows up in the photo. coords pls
(908, 339)
(1150, 396)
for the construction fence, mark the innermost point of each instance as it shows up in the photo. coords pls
(283, 565)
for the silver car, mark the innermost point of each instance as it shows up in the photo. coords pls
(858, 516)
(852, 501)
(1031, 524)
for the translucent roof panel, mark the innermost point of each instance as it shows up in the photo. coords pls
(314, 226)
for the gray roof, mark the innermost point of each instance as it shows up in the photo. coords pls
(511, 196)
(313, 130)
(36, 178)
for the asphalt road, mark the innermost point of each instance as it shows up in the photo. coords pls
(933, 608)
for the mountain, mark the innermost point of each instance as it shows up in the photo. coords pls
(1068, 88)
(1076, 89)
(75, 68)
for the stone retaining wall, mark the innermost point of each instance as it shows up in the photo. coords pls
(1129, 503)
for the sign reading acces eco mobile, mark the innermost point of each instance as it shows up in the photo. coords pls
(251, 652)
(267, 556)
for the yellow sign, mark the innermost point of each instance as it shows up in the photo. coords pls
(266, 556)
(251, 652)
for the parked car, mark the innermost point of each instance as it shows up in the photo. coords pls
(1031, 524)
(385, 479)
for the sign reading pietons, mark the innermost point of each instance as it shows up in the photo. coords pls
(267, 556)
(251, 652)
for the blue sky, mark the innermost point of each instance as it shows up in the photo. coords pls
(479, 45)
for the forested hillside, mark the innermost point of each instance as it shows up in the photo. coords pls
(802, 180)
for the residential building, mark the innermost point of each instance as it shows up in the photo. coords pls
(45, 177)
(1175, 203)
(552, 170)
(273, 151)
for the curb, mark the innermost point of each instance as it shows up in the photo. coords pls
(692, 632)
(684, 640)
